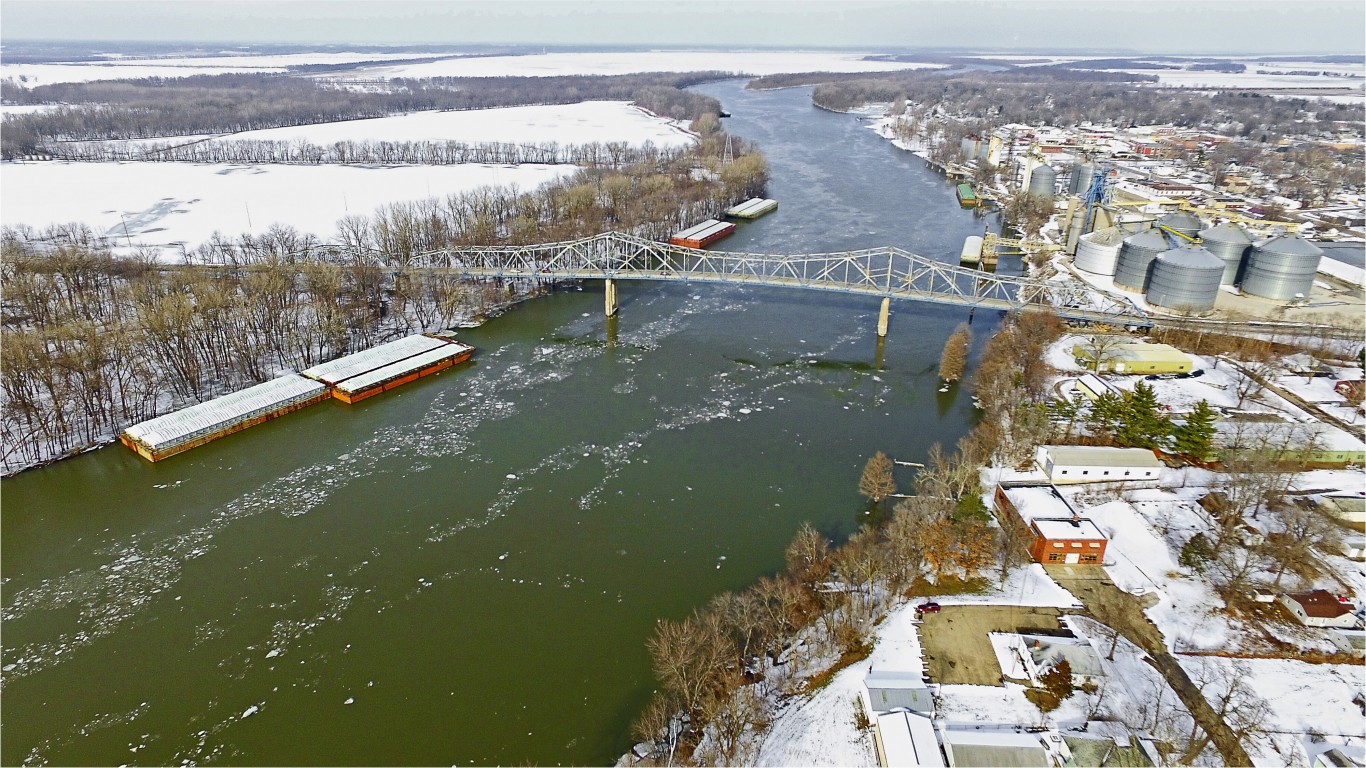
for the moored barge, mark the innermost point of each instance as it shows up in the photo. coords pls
(967, 197)
(156, 439)
(365, 374)
(752, 208)
(702, 235)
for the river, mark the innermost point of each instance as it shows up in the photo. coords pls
(465, 570)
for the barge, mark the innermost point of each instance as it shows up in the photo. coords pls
(967, 198)
(702, 235)
(752, 208)
(156, 439)
(350, 378)
(365, 374)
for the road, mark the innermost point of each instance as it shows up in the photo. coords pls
(1123, 612)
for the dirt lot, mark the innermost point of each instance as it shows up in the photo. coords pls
(955, 639)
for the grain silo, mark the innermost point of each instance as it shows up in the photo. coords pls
(1098, 251)
(1229, 242)
(1180, 221)
(1185, 279)
(1043, 180)
(1080, 181)
(1136, 257)
(1281, 268)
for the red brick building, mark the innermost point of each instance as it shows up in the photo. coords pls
(1051, 529)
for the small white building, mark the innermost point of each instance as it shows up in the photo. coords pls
(1068, 464)
(1319, 609)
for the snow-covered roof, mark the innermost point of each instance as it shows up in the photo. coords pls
(1058, 529)
(1005, 749)
(345, 367)
(222, 412)
(1098, 456)
(908, 739)
(704, 229)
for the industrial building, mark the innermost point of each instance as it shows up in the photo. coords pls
(1185, 280)
(156, 439)
(1137, 359)
(1052, 530)
(1068, 464)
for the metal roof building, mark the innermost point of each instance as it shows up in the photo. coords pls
(987, 748)
(898, 690)
(906, 739)
(167, 435)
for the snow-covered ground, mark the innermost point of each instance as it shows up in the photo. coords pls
(168, 204)
(626, 62)
(1302, 697)
(589, 122)
(1027, 585)
(119, 68)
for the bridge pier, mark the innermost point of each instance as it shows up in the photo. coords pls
(882, 316)
(610, 298)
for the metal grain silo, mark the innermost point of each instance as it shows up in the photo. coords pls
(1081, 178)
(1185, 279)
(1098, 251)
(1043, 180)
(1182, 222)
(1281, 268)
(1229, 242)
(1136, 258)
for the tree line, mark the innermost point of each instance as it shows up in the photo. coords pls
(299, 151)
(231, 103)
(1058, 96)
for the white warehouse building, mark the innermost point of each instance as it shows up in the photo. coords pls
(1067, 464)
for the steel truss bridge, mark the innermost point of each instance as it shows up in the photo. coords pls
(883, 272)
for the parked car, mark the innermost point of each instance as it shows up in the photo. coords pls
(1197, 373)
(929, 607)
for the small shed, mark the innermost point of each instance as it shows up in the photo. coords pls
(1319, 608)
(1066, 464)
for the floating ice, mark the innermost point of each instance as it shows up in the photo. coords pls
(746, 411)
(253, 709)
(273, 653)
(510, 476)
(503, 556)
(349, 700)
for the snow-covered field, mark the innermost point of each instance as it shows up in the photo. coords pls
(588, 122)
(120, 68)
(626, 62)
(167, 204)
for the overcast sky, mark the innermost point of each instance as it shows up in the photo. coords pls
(1156, 26)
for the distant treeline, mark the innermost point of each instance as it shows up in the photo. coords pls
(596, 155)
(232, 103)
(1049, 95)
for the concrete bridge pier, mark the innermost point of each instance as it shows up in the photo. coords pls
(883, 315)
(610, 298)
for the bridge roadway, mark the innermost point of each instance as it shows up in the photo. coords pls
(889, 273)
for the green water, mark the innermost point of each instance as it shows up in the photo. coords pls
(474, 560)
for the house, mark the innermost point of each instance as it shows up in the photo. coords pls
(1035, 655)
(976, 748)
(1134, 359)
(1319, 609)
(889, 690)
(904, 738)
(1354, 391)
(1052, 530)
(1067, 464)
(1348, 507)
(1092, 386)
